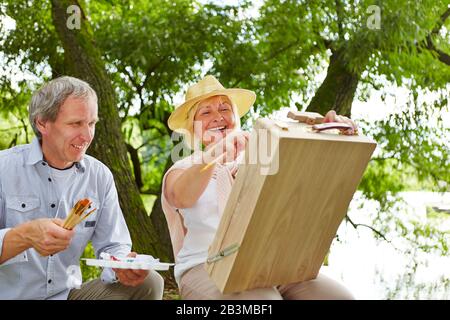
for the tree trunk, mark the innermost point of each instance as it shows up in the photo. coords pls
(159, 221)
(338, 89)
(83, 60)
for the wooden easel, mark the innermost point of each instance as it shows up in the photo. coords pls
(276, 229)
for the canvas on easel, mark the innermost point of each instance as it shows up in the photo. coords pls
(282, 215)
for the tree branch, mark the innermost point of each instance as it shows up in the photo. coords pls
(339, 15)
(441, 55)
(24, 125)
(136, 165)
(129, 75)
(428, 42)
(10, 128)
(327, 43)
(441, 21)
(272, 56)
(151, 69)
(150, 140)
(356, 225)
(280, 51)
(151, 191)
(25, 128)
(13, 141)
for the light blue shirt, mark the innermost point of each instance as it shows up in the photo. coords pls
(27, 192)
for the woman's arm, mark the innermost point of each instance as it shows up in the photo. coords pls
(184, 187)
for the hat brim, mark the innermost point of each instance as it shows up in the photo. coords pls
(242, 98)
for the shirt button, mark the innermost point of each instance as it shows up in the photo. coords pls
(49, 281)
(52, 205)
(49, 179)
(23, 205)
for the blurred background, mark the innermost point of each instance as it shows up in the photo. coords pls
(386, 64)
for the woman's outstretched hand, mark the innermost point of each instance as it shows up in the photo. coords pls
(228, 148)
(331, 116)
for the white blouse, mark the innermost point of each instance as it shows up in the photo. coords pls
(201, 222)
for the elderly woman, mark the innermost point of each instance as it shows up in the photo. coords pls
(194, 195)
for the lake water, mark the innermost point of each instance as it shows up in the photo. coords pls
(376, 269)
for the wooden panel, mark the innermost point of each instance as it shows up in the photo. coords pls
(285, 223)
(307, 117)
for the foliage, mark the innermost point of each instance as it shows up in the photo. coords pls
(412, 144)
(154, 48)
(280, 49)
(89, 272)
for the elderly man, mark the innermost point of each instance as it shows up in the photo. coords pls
(39, 183)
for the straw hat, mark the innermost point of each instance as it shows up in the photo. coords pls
(206, 88)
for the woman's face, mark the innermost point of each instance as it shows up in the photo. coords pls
(213, 119)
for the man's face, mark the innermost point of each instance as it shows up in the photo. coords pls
(66, 140)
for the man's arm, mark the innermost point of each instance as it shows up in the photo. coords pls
(12, 242)
(46, 236)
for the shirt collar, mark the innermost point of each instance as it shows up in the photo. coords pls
(36, 156)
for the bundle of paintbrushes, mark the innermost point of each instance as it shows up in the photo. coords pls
(77, 214)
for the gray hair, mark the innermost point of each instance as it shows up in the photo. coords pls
(46, 101)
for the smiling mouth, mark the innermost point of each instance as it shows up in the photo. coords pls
(218, 129)
(78, 147)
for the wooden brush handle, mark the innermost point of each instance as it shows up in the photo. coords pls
(306, 117)
(316, 120)
(331, 125)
